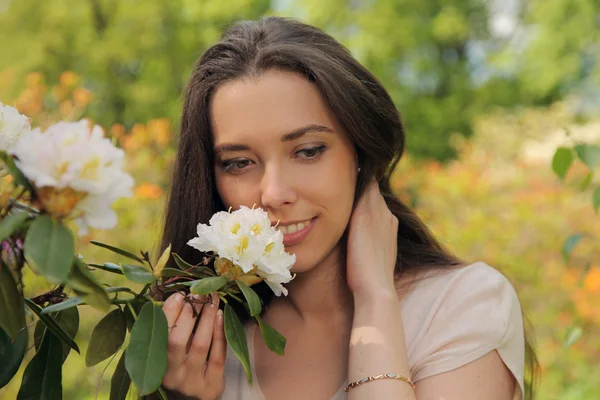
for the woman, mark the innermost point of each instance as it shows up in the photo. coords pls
(280, 115)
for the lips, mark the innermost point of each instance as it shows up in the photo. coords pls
(293, 228)
(293, 238)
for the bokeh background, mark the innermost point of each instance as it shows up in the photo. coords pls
(488, 90)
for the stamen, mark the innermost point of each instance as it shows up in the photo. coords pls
(278, 221)
(229, 211)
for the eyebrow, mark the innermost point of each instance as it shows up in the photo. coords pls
(288, 137)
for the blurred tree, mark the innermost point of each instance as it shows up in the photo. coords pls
(134, 56)
(447, 61)
(443, 61)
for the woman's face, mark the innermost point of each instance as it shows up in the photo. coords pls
(279, 146)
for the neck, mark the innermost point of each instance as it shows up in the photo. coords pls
(321, 294)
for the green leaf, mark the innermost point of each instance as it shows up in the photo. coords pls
(86, 285)
(50, 248)
(170, 272)
(570, 244)
(146, 355)
(589, 154)
(17, 175)
(77, 300)
(38, 334)
(202, 272)
(596, 199)
(11, 223)
(161, 394)
(42, 379)
(562, 160)
(252, 298)
(67, 319)
(120, 381)
(110, 267)
(274, 340)
(55, 328)
(11, 354)
(133, 393)
(180, 263)
(236, 339)
(107, 338)
(138, 274)
(162, 261)
(208, 285)
(118, 251)
(129, 318)
(573, 335)
(12, 309)
(586, 181)
(65, 305)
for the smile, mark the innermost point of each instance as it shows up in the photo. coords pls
(295, 233)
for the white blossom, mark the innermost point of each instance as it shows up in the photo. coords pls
(247, 238)
(74, 159)
(12, 126)
(274, 265)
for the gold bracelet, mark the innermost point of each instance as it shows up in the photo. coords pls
(380, 376)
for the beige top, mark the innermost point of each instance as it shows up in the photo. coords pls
(450, 319)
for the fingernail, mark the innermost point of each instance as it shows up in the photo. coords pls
(220, 314)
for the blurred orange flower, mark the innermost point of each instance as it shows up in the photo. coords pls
(148, 191)
(82, 97)
(160, 130)
(117, 130)
(591, 282)
(65, 108)
(69, 79)
(34, 79)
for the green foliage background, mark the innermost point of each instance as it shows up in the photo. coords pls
(484, 105)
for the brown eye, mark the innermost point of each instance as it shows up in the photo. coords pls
(235, 165)
(311, 153)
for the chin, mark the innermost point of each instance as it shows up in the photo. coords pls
(300, 267)
(307, 259)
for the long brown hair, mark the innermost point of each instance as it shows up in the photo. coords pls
(361, 104)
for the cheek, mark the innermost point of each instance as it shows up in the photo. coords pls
(332, 191)
(235, 191)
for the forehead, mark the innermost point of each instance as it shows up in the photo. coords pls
(274, 103)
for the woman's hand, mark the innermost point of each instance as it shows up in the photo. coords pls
(191, 371)
(372, 246)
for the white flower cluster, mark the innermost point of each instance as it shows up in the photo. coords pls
(75, 170)
(247, 238)
(12, 126)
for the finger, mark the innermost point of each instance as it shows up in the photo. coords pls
(203, 337)
(197, 303)
(218, 351)
(172, 308)
(179, 337)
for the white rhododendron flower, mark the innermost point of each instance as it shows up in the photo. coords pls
(12, 126)
(76, 171)
(274, 266)
(247, 239)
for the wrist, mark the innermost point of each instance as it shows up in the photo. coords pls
(376, 297)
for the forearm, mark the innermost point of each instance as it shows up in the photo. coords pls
(378, 346)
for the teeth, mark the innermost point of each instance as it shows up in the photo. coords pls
(293, 228)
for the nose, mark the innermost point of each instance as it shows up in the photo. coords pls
(277, 189)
